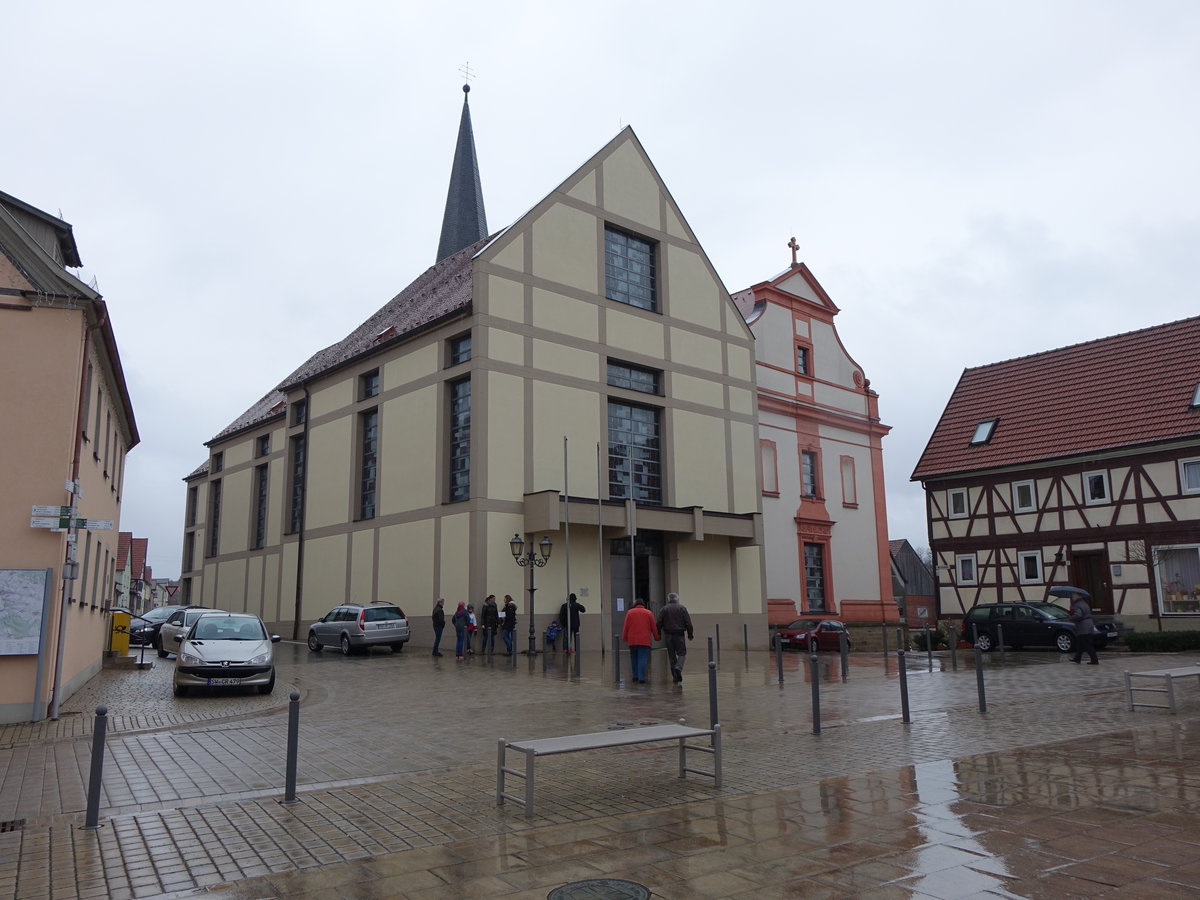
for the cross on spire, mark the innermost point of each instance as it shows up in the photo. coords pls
(795, 247)
(465, 69)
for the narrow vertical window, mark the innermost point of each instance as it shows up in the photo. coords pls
(87, 400)
(770, 468)
(849, 482)
(296, 516)
(814, 577)
(460, 440)
(189, 550)
(1024, 495)
(458, 349)
(958, 503)
(369, 442)
(299, 412)
(260, 514)
(803, 360)
(262, 445)
(214, 517)
(1095, 487)
(1030, 565)
(192, 497)
(634, 453)
(368, 385)
(808, 473)
(965, 564)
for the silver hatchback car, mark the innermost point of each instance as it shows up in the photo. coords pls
(225, 650)
(356, 627)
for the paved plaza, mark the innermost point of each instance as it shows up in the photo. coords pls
(1058, 791)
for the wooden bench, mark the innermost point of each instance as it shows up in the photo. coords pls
(597, 741)
(1166, 681)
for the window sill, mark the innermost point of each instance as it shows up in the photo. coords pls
(849, 505)
(770, 493)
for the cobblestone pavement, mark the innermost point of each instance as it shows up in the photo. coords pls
(397, 783)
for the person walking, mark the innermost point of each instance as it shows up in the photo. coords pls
(439, 624)
(638, 631)
(460, 620)
(570, 610)
(674, 622)
(491, 622)
(472, 627)
(1085, 630)
(508, 624)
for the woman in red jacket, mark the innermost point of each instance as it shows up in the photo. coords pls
(638, 631)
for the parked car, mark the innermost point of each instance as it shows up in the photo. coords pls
(356, 627)
(1036, 624)
(225, 650)
(178, 623)
(143, 629)
(813, 635)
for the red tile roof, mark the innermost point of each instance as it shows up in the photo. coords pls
(140, 547)
(1128, 390)
(124, 540)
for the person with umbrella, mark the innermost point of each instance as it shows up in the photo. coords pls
(1085, 624)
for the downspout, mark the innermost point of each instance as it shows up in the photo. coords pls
(52, 709)
(303, 508)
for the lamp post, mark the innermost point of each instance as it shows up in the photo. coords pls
(530, 559)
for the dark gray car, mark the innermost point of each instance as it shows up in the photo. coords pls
(356, 627)
(1029, 625)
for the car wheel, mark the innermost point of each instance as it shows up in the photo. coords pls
(396, 648)
(314, 642)
(984, 642)
(158, 645)
(268, 687)
(1064, 642)
(180, 690)
(346, 648)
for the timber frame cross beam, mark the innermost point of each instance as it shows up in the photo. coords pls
(597, 741)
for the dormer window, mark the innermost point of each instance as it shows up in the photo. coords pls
(983, 432)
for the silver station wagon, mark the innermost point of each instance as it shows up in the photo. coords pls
(357, 627)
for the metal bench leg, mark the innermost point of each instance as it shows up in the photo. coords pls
(682, 758)
(1171, 692)
(500, 772)
(1129, 690)
(530, 756)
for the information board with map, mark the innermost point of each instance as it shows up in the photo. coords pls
(23, 596)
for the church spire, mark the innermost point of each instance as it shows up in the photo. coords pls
(465, 221)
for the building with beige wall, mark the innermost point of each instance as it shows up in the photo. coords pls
(68, 424)
(821, 443)
(581, 374)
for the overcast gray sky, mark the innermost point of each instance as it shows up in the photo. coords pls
(970, 181)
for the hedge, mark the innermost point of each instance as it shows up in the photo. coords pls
(1161, 641)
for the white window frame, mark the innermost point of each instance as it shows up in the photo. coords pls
(1025, 578)
(1184, 465)
(1165, 578)
(1088, 500)
(960, 573)
(966, 503)
(1016, 493)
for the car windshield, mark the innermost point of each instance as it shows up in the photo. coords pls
(1052, 610)
(158, 614)
(803, 625)
(228, 628)
(383, 614)
(193, 614)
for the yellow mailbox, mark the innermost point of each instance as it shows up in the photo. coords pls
(119, 642)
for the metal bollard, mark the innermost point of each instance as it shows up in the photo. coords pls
(929, 645)
(816, 693)
(712, 695)
(844, 650)
(979, 680)
(97, 774)
(952, 636)
(746, 642)
(543, 652)
(1000, 641)
(779, 655)
(718, 626)
(885, 644)
(903, 688)
(293, 746)
(899, 638)
(577, 663)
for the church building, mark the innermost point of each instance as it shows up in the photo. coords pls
(572, 381)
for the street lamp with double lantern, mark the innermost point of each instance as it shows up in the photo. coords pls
(530, 558)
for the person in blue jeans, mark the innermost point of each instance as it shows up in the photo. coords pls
(639, 631)
(508, 625)
(459, 620)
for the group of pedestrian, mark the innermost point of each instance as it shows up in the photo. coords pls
(673, 625)
(466, 625)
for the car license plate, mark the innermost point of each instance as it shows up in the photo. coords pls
(217, 682)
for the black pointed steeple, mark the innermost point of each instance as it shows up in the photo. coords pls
(465, 221)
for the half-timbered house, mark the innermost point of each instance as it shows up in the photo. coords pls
(1074, 466)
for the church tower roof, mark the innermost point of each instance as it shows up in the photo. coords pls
(464, 222)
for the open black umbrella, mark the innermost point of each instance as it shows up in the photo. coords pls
(1067, 591)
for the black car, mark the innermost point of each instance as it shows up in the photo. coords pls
(1036, 624)
(143, 629)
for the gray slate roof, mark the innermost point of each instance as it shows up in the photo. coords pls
(443, 290)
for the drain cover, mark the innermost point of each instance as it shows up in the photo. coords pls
(601, 889)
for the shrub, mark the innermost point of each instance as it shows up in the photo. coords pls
(937, 638)
(1161, 641)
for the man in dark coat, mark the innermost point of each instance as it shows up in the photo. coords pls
(1085, 630)
(571, 634)
(439, 624)
(491, 621)
(674, 622)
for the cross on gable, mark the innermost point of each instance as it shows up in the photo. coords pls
(795, 248)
